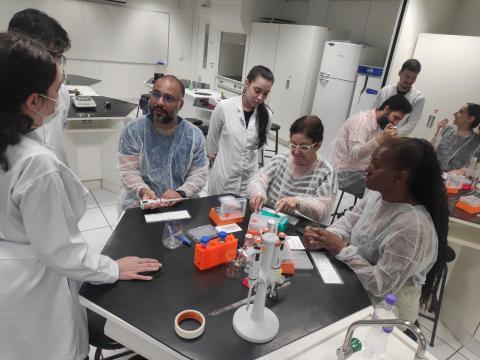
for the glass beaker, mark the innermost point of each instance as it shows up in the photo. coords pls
(172, 234)
(232, 265)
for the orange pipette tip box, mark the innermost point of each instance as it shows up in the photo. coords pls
(470, 204)
(218, 220)
(215, 253)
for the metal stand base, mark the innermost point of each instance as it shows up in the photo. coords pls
(255, 331)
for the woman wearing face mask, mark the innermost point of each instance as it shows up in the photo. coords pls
(395, 238)
(238, 128)
(299, 181)
(43, 256)
(39, 26)
(456, 144)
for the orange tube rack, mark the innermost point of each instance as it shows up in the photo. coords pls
(215, 253)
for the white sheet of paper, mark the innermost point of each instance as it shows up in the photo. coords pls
(295, 243)
(325, 268)
(229, 228)
(167, 216)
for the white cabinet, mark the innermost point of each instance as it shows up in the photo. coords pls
(293, 53)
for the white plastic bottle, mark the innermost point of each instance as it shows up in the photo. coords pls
(377, 337)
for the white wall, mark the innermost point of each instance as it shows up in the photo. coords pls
(466, 20)
(124, 80)
(431, 16)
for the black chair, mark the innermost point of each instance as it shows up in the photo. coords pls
(143, 104)
(436, 302)
(337, 214)
(196, 122)
(204, 129)
(276, 128)
(97, 338)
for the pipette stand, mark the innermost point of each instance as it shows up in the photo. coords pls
(257, 323)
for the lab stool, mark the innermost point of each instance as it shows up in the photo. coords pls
(196, 122)
(97, 338)
(276, 128)
(143, 104)
(336, 214)
(436, 302)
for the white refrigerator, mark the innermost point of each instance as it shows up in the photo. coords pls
(367, 86)
(336, 82)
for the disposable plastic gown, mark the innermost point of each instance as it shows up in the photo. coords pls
(161, 161)
(392, 248)
(314, 185)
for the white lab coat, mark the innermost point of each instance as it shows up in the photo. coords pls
(235, 147)
(51, 134)
(43, 257)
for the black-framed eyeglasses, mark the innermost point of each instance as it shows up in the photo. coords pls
(302, 148)
(167, 98)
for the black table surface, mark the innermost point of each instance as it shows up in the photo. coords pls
(106, 108)
(459, 213)
(303, 307)
(72, 79)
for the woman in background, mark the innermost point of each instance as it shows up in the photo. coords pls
(456, 144)
(395, 237)
(238, 129)
(43, 256)
(299, 181)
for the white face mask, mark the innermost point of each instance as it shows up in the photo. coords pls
(48, 118)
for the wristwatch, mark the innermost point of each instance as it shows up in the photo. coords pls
(182, 193)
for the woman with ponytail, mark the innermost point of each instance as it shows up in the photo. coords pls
(395, 237)
(43, 256)
(238, 128)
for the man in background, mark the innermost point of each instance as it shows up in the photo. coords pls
(359, 136)
(45, 29)
(408, 75)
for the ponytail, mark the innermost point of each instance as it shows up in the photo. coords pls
(262, 112)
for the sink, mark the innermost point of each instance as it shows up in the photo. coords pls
(323, 344)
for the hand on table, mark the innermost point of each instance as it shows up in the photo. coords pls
(287, 204)
(318, 238)
(130, 267)
(256, 202)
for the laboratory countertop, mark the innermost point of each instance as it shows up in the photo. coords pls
(304, 307)
(106, 108)
(72, 79)
(460, 215)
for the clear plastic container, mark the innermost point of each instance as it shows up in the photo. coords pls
(231, 207)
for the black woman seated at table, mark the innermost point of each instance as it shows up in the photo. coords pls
(395, 238)
(456, 144)
(299, 180)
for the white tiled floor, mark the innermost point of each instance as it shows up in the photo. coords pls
(101, 217)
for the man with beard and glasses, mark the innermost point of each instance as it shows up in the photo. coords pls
(162, 155)
(359, 136)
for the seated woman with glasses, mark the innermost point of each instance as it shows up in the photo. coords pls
(299, 180)
(456, 144)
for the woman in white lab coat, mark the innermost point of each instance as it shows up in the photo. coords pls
(238, 128)
(43, 256)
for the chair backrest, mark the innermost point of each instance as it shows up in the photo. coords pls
(143, 103)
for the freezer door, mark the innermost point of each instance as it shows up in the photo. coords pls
(366, 90)
(331, 104)
(340, 60)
